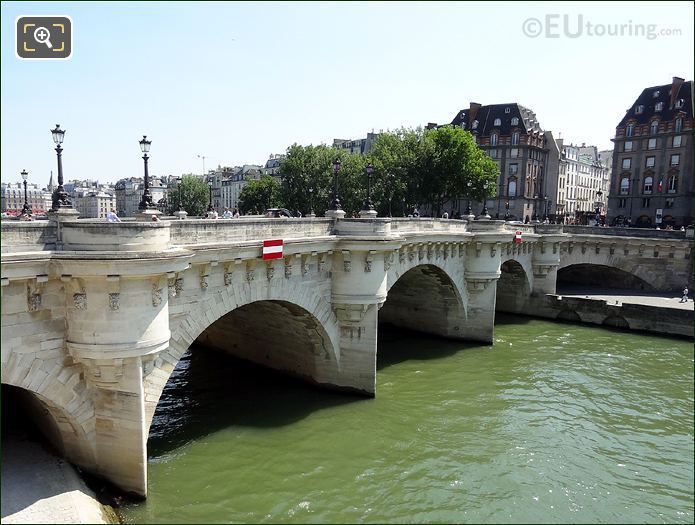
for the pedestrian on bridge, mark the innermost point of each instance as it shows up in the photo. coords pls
(684, 299)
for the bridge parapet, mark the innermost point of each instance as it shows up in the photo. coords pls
(20, 236)
(624, 232)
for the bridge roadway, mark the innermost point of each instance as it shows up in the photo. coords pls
(96, 315)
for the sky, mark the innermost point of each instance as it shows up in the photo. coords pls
(235, 82)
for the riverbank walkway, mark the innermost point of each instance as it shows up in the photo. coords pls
(618, 296)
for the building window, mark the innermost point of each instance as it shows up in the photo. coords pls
(648, 183)
(497, 122)
(624, 186)
(622, 203)
(673, 184)
(639, 109)
(515, 121)
(676, 141)
(515, 138)
(511, 187)
(475, 125)
(493, 139)
(669, 202)
(513, 169)
(678, 125)
(651, 144)
(627, 164)
(659, 106)
(650, 162)
(506, 110)
(654, 127)
(645, 202)
(679, 103)
(630, 131)
(675, 159)
(656, 94)
(628, 145)
(514, 153)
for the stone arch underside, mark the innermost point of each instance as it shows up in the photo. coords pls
(598, 275)
(263, 324)
(513, 288)
(69, 429)
(425, 299)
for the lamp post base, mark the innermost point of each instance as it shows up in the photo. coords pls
(180, 215)
(146, 214)
(335, 214)
(63, 214)
(368, 214)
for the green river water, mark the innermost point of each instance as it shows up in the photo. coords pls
(552, 423)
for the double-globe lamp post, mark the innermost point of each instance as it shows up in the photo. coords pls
(335, 206)
(146, 200)
(60, 197)
(210, 208)
(369, 169)
(26, 210)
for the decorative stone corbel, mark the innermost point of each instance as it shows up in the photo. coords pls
(322, 262)
(656, 250)
(583, 247)
(570, 247)
(388, 261)
(420, 252)
(611, 249)
(598, 247)
(430, 249)
(204, 275)
(350, 313)
(35, 291)
(672, 252)
(156, 292)
(477, 284)
(626, 250)
(76, 286)
(347, 261)
(250, 271)
(288, 267)
(494, 247)
(269, 270)
(113, 283)
(462, 250)
(368, 261)
(445, 250)
(411, 251)
(641, 249)
(305, 264)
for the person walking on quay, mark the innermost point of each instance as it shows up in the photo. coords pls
(684, 299)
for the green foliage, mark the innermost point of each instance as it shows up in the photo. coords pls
(412, 168)
(259, 195)
(194, 195)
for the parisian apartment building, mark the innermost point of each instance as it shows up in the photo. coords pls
(357, 146)
(512, 136)
(652, 175)
(12, 198)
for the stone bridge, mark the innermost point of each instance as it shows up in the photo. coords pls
(95, 315)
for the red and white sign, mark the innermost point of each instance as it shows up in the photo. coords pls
(517, 238)
(272, 249)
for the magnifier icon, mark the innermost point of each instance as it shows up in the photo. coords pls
(42, 36)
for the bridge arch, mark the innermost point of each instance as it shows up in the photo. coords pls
(426, 298)
(513, 287)
(69, 428)
(600, 275)
(287, 326)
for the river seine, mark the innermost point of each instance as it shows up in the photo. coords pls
(553, 423)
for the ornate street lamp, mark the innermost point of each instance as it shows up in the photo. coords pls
(210, 208)
(26, 210)
(484, 213)
(469, 184)
(336, 201)
(180, 198)
(311, 202)
(146, 201)
(60, 197)
(369, 169)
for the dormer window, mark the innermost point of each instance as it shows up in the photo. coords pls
(659, 106)
(497, 122)
(639, 109)
(679, 103)
(506, 110)
(493, 139)
(656, 93)
(474, 125)
(654, 127)
(515, 121)
(515, 138)
(678, 124)
(630, 130)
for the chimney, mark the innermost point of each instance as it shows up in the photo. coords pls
(473, 108)
(675, 88)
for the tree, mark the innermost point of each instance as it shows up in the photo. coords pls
(194, 194)
(258, 195)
